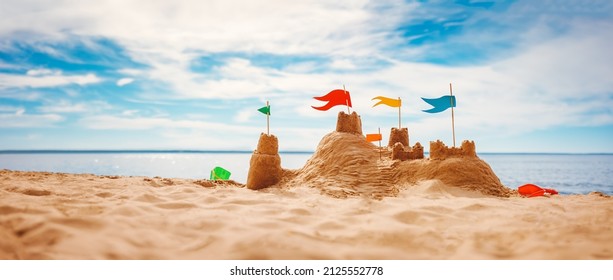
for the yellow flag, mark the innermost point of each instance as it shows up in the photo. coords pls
(388, 101)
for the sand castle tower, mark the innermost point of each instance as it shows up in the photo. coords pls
(399, 143)
(349, 123)
(399, 135)
(265, 165)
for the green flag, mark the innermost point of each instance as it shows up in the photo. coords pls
(265, 110)
(219, 173)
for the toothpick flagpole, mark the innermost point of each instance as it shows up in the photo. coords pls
(346, 100)
(379, 142)
(268, 119)
(452, 118)
(399, 101)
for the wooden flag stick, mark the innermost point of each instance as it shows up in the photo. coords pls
(346, 100)
(399, 112)
(268, 119)
(379, 143)
(452, 118)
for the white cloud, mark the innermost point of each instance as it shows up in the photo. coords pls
(129, 113)
(43, 72)
(7, 66)
(168, 41)
(219, 134)
(40, 80)
(20, 119)
(4, 108)
(124, 81)
(244, 115)
(343, 64)
(550, 78)
(145, 123)
(21, 95)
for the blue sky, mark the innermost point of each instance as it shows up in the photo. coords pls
(529, 76)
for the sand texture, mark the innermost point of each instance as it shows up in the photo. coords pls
(63, 216)
(344, 203)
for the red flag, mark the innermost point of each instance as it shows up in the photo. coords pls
(335, 97)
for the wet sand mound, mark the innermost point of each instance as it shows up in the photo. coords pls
(344, 164)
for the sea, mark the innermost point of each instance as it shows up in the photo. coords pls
(567, 173)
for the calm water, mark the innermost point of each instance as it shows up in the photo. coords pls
(566, 173)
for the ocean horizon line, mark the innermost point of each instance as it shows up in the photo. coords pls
(181, 151)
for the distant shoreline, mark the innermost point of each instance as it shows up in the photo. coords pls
(238, 152)
(138, 152)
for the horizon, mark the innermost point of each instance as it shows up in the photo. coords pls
(95, 151)
(529, 77)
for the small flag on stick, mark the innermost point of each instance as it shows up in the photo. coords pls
(334, 98)
(389, 102)
(374, 137)
(392, 102)
(441, 104)
(219, 173)
(266, 111)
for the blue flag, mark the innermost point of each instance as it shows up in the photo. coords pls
(440, 104)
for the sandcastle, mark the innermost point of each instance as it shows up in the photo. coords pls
(400, 152)
(438, 150)
(349, 123)
(399, 143)
(265, 165)
(399, 135)
(345, 164)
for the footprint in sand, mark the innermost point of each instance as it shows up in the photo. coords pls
(407, 217)
(331, 225)
(300, 211)
(34, 192)
(104, 194)
(175, 205)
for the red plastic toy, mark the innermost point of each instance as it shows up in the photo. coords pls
(531, 190)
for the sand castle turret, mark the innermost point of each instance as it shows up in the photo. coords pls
(265, 165)
(438, 150)
(401, 152)
(399, 135)
(399, 142)
(349, 123)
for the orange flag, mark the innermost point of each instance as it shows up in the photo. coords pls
(374, 137)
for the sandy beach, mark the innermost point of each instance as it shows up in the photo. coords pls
(70, 216)
(349, 201)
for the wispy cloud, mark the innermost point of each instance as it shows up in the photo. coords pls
(66, 106)
(19, 120)
(124, 81)
(143, 123)
(45, 78)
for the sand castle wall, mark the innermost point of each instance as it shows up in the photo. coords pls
(399, 135)
(349, 123)
(415, 152)
(438, 150)
(265, 165)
